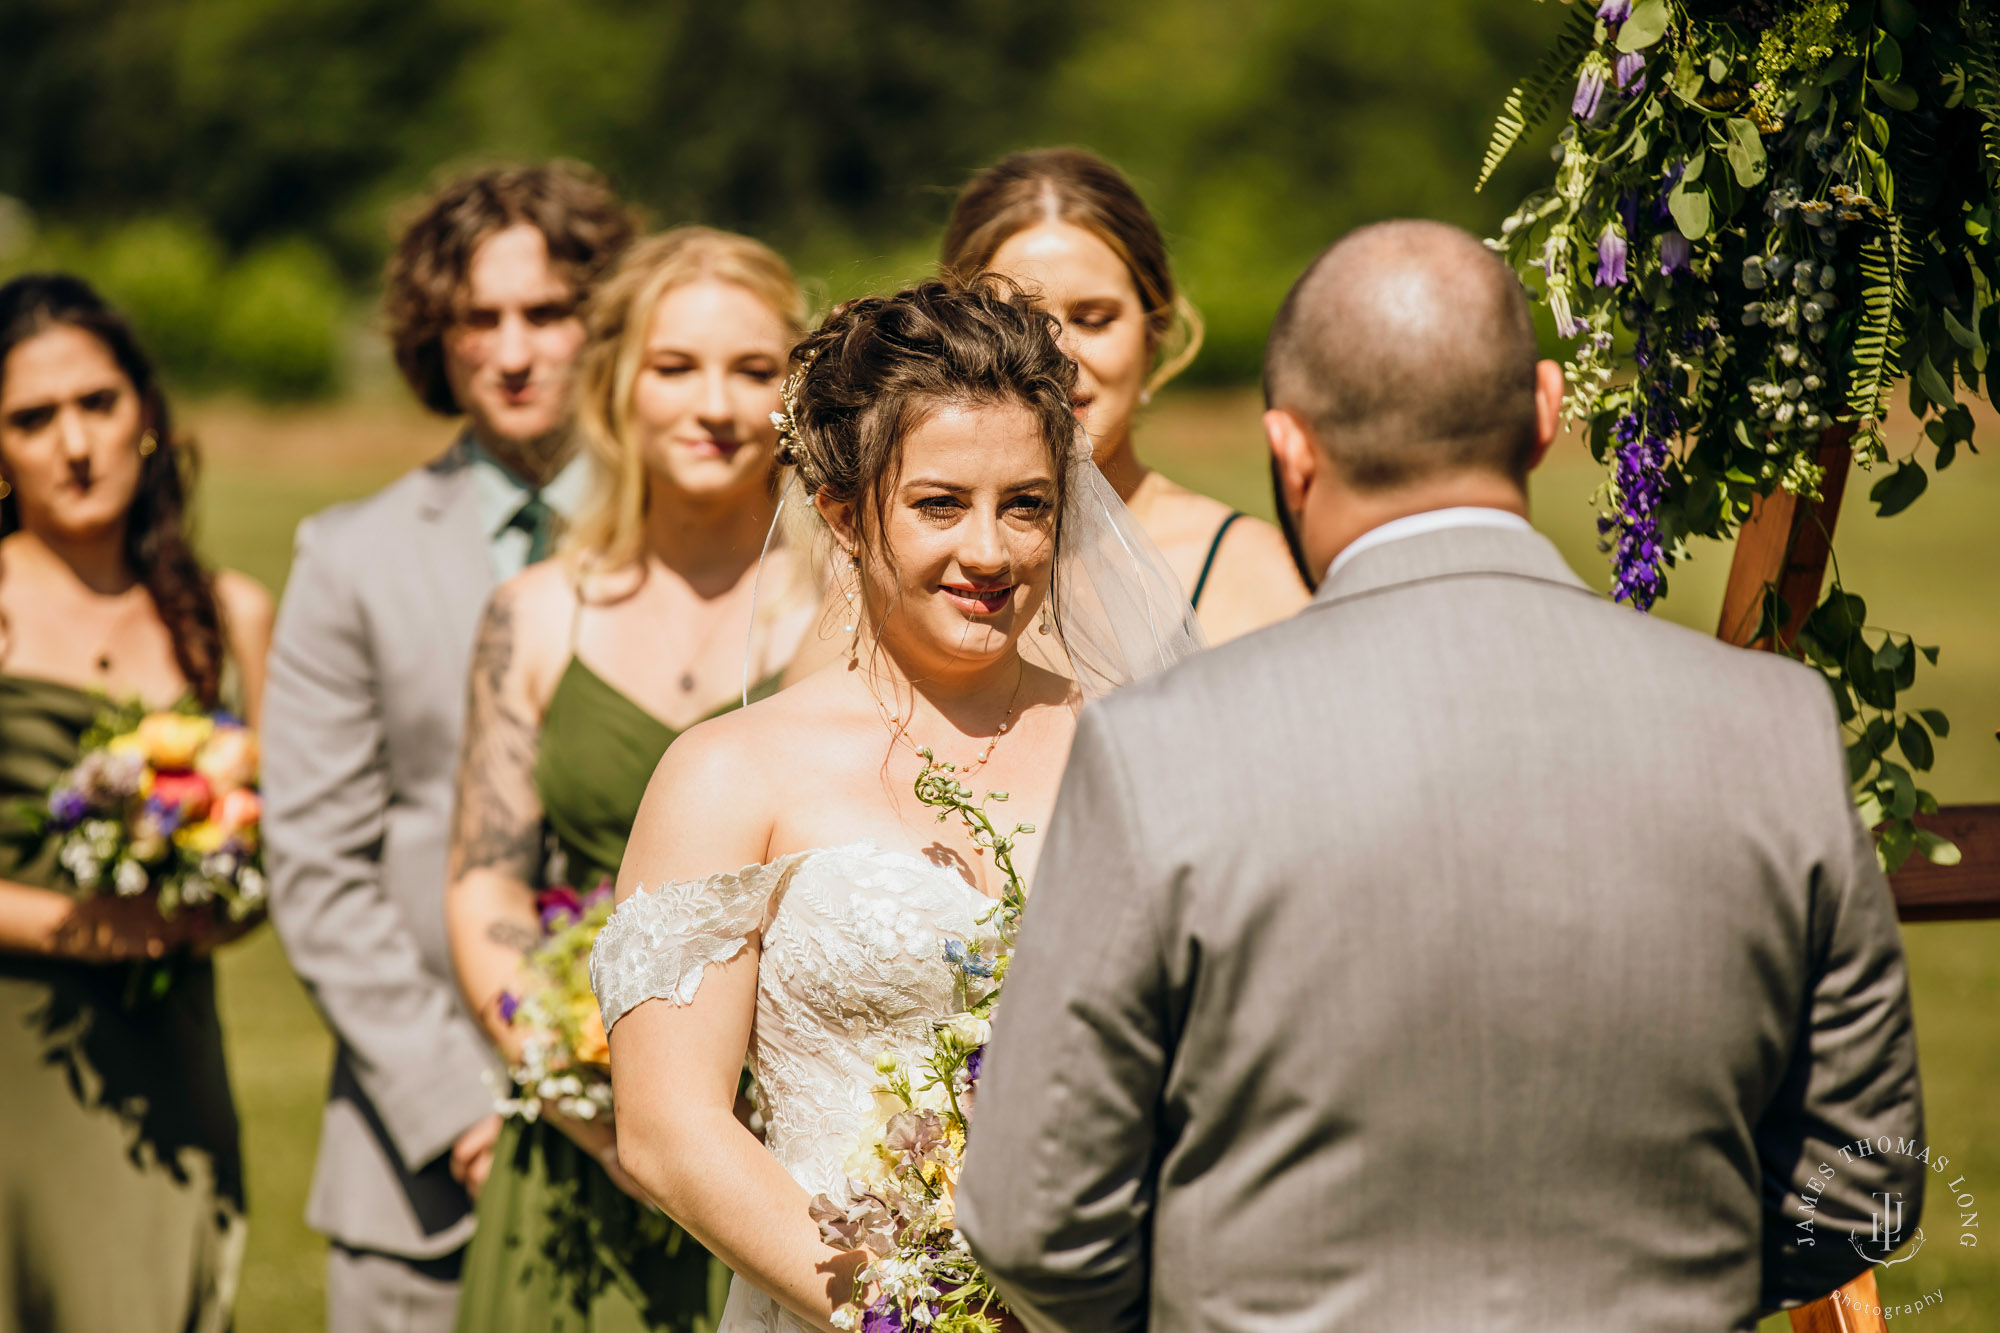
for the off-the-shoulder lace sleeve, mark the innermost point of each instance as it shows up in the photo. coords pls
(658, 943)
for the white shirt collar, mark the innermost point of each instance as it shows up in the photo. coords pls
(501, 494)
(1435, 520)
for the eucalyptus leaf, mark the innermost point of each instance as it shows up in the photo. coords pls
(1647, 25)
(1898, 16)
(1888, 57)
(1693, 212)
(1915, 744)
(1897, 95)
(1961, 335)
(1746, 151)
(1936, 849)
(1899, 490)
(1932, 383)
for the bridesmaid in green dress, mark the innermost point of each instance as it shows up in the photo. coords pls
(119, 1159)
(586, 669)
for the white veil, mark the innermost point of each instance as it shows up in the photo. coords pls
(1117, 612)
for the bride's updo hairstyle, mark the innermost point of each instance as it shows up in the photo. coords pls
(877, 368)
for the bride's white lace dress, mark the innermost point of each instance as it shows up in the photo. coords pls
(853, 964)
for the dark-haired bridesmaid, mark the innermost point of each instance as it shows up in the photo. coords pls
(120, 1168)
(1067, 225)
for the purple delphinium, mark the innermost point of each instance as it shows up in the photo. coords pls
(1589, 92)
(1629, 73)
(1637, 555)
(1676, 253)
(68, 806)
(509, 1006)
(975, 1061)
(1611, 252)
(1615, 11)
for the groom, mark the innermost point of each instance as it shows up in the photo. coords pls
(1466, 953)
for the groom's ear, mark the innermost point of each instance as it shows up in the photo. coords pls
(1548, 409)
(1295, 457)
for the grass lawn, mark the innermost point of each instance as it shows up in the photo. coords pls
(1933, 572)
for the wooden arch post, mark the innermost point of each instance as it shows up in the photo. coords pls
(1785, 544)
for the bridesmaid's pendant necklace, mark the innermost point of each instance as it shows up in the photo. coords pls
(688, 679)
(899, 727)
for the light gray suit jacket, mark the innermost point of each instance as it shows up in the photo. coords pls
(1467, 953)
(362, 718)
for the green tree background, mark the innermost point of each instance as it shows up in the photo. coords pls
(231, 169)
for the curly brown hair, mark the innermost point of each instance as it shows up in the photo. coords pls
(157, 547)
(586, 225)
(876, 368)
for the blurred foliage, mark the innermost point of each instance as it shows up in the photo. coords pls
(837, 129)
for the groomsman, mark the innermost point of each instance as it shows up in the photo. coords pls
(364, 709)
(1465, 953)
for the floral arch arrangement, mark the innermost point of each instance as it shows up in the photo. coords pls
(1786, 206)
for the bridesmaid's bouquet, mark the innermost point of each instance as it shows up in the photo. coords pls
(565, 1063)
(903, 1172)
(166, 804)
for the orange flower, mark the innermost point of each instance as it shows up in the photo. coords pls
(238, 810)
(229, 760)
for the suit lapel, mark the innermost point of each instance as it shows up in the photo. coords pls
(460, 566)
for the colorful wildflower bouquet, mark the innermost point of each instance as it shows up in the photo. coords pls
(904, 1171)
(1784, 206)
(565, 1063)
(164, 803)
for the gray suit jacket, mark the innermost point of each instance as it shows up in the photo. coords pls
(1467, 953)
(362, 718)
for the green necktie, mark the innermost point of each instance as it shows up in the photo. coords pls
(538, 520)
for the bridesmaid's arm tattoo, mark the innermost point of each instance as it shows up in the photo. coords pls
(498, 825)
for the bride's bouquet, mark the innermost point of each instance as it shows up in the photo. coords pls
(565, 1063)
(903, 1172)
(166, 804)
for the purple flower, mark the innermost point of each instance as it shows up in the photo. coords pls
(68, 805)
(1611, 252)
(1676, 253)
(1615, 11)
(509, 1005)
(975, 1061)
(559, 907)
(1640, 478)
(1589, 91)
(882, 1317)
(1629, 73)
(1673, 178)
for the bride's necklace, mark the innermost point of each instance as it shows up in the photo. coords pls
(899, 727)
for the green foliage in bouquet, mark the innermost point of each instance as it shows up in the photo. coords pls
(1785, 206)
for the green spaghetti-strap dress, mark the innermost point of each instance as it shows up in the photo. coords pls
(559, 1248)
(121, 1172)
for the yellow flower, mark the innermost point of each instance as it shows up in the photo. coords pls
(172, 740)
(593, 1047)
(202, 838)
(126, 743)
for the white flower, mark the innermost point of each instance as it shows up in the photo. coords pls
(969, 1029)
(250, 887)
(129, 878)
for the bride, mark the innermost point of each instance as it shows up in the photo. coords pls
(802, 896)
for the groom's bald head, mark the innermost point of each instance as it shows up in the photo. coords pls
(1408, 349)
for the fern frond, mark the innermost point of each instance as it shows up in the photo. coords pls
(1878, 339)
(1529, 101)
(1982, 68)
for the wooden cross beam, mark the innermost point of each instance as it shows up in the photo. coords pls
(1784, 544)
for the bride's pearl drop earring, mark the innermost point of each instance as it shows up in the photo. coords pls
(853, 620)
